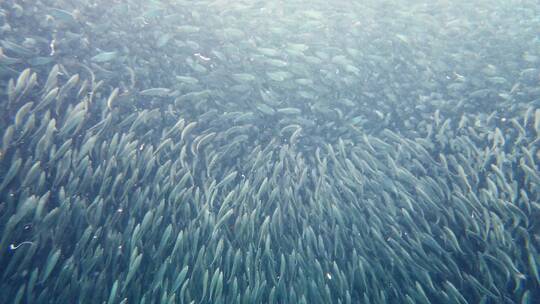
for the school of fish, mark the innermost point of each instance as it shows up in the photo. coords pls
(269, 151)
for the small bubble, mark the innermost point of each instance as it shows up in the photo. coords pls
(119, 210)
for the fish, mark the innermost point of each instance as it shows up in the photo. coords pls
(133, 267)
(283, 154)
(243, 77)
(104, 57)
(112, 97)
(279, 76)
(158, 92)
(52, 260)
(187, 80)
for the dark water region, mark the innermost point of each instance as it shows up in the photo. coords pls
(269, 151)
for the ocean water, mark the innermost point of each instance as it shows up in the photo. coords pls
(269, 151)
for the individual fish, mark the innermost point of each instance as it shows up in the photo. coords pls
(25, 109)
(243, 77)
(105, 57)
(6, 60)
(62, 15)
(112, 98)
(133, 267)
(157, 92)
(16, 48)
(279, 76)
(187, 80)
(52, 260)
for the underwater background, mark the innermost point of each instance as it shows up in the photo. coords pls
(271, 151)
